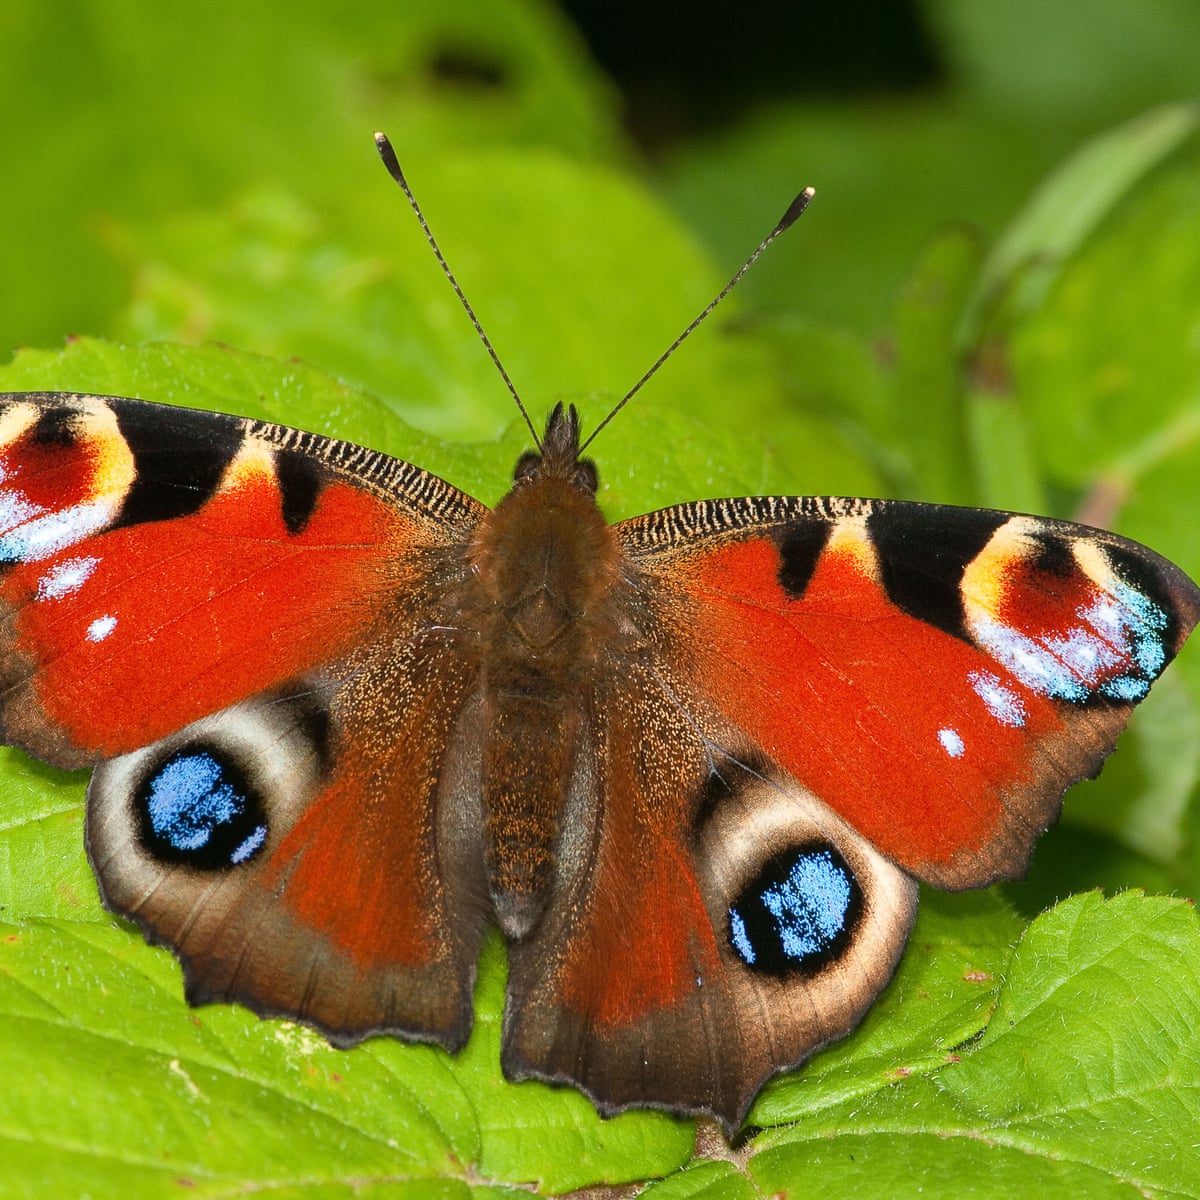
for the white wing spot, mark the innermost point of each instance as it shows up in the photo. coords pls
(951, 742)
(65, 578)
(100, 628)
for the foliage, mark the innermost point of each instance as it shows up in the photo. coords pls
(937, 326)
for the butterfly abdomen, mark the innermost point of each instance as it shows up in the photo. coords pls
(546, 566)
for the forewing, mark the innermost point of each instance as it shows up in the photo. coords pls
(938, 676)
(158, 564)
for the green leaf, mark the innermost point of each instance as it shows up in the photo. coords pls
(1127, 1079)
(213, 178)
(84, 990)
(927, 409)
(887, 176)
(1007, 474)
(941, 997)
(1108, 368)
(705, 1180)
(579, 276)
(115, 114)
(1069, 206)
(1124, 55)
(41, 812)
(1085, 1082)
(77, 987)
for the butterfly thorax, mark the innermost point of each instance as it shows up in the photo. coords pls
(545, 566)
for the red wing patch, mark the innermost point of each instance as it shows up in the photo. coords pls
(947, 745)
(180, 618)
(892, 722)
(158, 564)
(644, 907)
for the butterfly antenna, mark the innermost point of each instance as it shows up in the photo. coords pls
(393, 166)
(794, 210)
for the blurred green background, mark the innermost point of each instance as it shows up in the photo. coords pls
(994, 299)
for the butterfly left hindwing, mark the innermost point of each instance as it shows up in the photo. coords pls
(689, 764)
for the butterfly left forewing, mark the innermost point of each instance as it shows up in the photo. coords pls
(158, 564)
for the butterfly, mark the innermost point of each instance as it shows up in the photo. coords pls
(343, 719)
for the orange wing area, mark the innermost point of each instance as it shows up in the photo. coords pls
(647, 932)
(118, 630)
(949, 753)
(367, 861)
(358, 906)
(609, 976)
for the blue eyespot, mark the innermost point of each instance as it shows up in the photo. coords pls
(197, 808)
(798, 914)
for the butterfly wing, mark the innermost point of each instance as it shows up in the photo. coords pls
(827, 696)
(939, 676)
(242, 624)
(633, 987)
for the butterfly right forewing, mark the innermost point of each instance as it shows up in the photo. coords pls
(938, 676)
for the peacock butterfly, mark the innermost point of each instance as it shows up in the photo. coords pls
(343, 718)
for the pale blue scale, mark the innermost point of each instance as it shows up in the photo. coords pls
(1002, 702)
(1120, 636)
(1126, 688)
(1131, 612)
(189, 799)
(809, 908)
(741, 939)
(100, 628)
(34, 534)
(250, 845)
(15, 513)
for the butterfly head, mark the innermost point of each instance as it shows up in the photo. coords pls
(558, 457)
